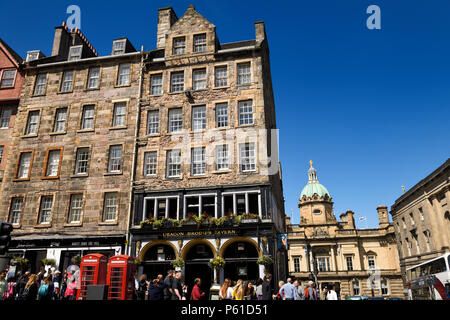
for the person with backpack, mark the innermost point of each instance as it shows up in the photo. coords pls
(31, 289)
(141, 287)
(11, 290)
(46, 289)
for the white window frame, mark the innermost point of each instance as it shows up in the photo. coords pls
(297, 263)
(369, 259)
(47, 211)
(115, 161)
(77, 55)
(152, 122)
(78, 161)
(24, 167)
(156, 82)
(120, 118)
(93, 78)
(41, 82)
(175, 124)
(347, 257)
(245, 112)
(85, 119)
(154, 156)
(357, 287)
(246, 159)
(246, 193)
(106, 206)
(244, 76)
(156, 199)
(179, 45)
(220, 77)
(199, 78)
(123, 78)
(199, 43)
(221, 111)
(177, 81)
(53, 161)
(5, 117)
(222, 157)
(60, 123)
(177, 163)
(32, 122)
(15, 212)
(122, 48)
(75, 214)
(386, 287)
(198, 117)
(198, 167)
(67, 81)
(200, 202)
(12, 79)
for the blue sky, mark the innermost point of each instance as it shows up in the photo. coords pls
(370, 107)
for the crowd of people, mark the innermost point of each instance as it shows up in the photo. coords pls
(48, 285)
(45, 285)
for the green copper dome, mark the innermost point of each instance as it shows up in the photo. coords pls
(313, 185)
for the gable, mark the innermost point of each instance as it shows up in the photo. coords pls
(191, 21)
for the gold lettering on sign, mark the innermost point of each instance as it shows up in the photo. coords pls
(198, 233)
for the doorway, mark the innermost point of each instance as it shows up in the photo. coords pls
(197, 266)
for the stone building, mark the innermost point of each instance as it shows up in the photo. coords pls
(422, 219)
(67, 181)
(356, 261)
(11, 80)
(207, 150)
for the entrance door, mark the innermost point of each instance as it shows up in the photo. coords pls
(240, 258)
(200, 270)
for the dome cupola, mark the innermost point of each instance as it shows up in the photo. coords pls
(314, 187)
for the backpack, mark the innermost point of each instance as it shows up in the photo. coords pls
(43, 290)
(306, 294)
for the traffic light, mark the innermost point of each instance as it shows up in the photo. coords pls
(5, 238)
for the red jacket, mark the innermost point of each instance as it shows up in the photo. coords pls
(197, 293)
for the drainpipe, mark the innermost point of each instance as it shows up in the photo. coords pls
(134, 156)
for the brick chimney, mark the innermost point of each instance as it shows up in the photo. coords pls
(61, 41)
(350, 219)
(260, 31)
(166, 18)
(383, 217)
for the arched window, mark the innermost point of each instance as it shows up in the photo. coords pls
(160, 252)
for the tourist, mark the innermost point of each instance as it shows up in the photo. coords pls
(280, 294)
(226, 291)
(288, 290)
(31, 289)
(142, 287)
(332, 295)
(11, 290)
(236, 288)
(63, 286)
(168, 282)
(312, 292)
(258, 285)
(249, 291)
(323, 294)
(57, 283)
(70, 292)
(21, 284)
(267, 289)
(46, 289)
(299, 290)
(197, 293)
(177, 287)
(156, 289)
(3, 285)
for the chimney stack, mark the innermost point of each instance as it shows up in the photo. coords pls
(260, 31)
(166, 18)
(383, 217)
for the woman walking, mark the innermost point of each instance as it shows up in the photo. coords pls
(31, 289)
(226, 291)
(142, 287)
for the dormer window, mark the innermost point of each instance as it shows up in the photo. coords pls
(118, 47)
(33, 55)
(75, 53)
(179, 45)
(200, 42)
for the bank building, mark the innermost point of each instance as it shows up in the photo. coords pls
(207, 178)
(357, 261)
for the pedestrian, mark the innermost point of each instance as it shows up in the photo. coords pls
(168, 281)
(236, 288)
(142, 287)
(11, 290)
(249, 291)
(21, 285)
(323, 294)
(288, 290)
(312, 292)
(258, 285)
(267, 289)
(197, 293)
(177, 287)
(63, 286)
(31, 289)
(280, 295)
(56, 283)
(299, 290)
(156, 289)
(3, 285)
(46, 290)
(70, 292)
(226, 291)
(332, 295)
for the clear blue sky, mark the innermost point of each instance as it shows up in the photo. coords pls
(370, 107)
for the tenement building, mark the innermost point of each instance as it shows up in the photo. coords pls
(208, 181)
(422, 223)
(11, 80)
(67, 181)
(326, 251)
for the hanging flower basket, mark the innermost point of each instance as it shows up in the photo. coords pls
(265, 261)
(22, 263)
(178, 263)
(49, 262)
(217, 263)
(76, 260)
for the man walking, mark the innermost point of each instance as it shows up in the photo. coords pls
(312, 292)
(267, 290)
(168, 282)
(177, 287)
(288, 290)
(299, 290)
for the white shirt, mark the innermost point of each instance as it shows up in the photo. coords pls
(332, 295)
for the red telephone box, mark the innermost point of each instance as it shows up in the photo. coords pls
(120, 281)
(93, 270)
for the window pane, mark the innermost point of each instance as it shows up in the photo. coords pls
(8, 78)
(110, 206)
(87, 121)
(115, 157)
(124, 74)
(32, 124)
(5, 116)
(76, 203)
(40, 84)
(150, 163)
(118, 47)
(247, 157)
(175, 120)
(199, 79)
(1, 153)
(177, 82)
(60, 120)
(82, 160)
(75, 53)
(199, 118)
(221, 115)
(221, 76)
(179, 45)
(67, 79)
(198, 161)
(156, 83)
(173, 163)
(16, 210)
(94, 76)
(245, 112)
(153, 122)
(200, 42)
(222, 157)
(243, 70)
(24, 166)
(120, 109)
(45, 209)
(53, 163)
